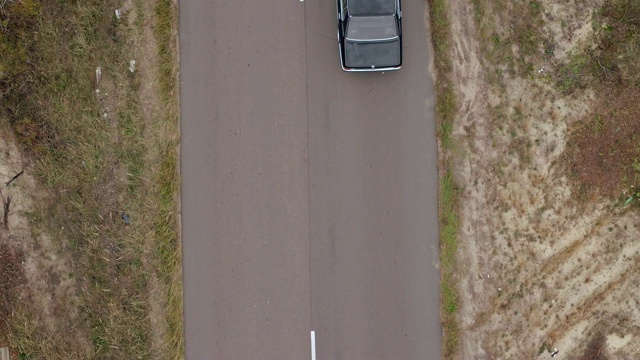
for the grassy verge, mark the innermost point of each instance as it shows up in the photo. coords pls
(97, 157)
(167, 228)
(448, 248)
(448, 199)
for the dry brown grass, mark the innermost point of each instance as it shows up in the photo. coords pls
(604, 149)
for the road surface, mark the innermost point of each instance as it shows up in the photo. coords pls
(309, 195)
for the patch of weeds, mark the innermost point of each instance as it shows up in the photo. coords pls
(513, 45)
(598, 123)
(11, 278)
(478, 9)
(445, 108)
(575, 74)
(16, 19)
(619, 47)
(132, 149)
(445, 97)
(498, 47)
(165, 13)
(544, 346)
(596, 348)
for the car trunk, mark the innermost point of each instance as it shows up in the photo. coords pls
(372, 54)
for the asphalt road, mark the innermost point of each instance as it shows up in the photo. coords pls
(309, 196)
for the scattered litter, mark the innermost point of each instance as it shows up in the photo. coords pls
(4, 353)
(118, 14)
(540, 70)
(126, 218)
(132, 65)
(555, 352)
(98, 76)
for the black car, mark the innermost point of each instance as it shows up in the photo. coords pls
(370, 35)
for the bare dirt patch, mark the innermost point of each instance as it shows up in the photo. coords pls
(546, 261)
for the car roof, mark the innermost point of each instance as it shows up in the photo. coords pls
(371, 7)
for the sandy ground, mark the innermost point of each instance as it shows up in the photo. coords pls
(539, 270)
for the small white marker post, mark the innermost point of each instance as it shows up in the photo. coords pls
(313, 340)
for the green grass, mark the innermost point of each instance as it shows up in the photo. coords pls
(446, 107)
(441, 35)
(165, 13)
(448, 250)
(574, 74)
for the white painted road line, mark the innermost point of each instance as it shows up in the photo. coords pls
(313, 345)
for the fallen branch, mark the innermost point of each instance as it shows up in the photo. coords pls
(6, 212)
(13, 178)
(605, 70)
(6, 203)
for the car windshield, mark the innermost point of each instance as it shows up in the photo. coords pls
(372, 28)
